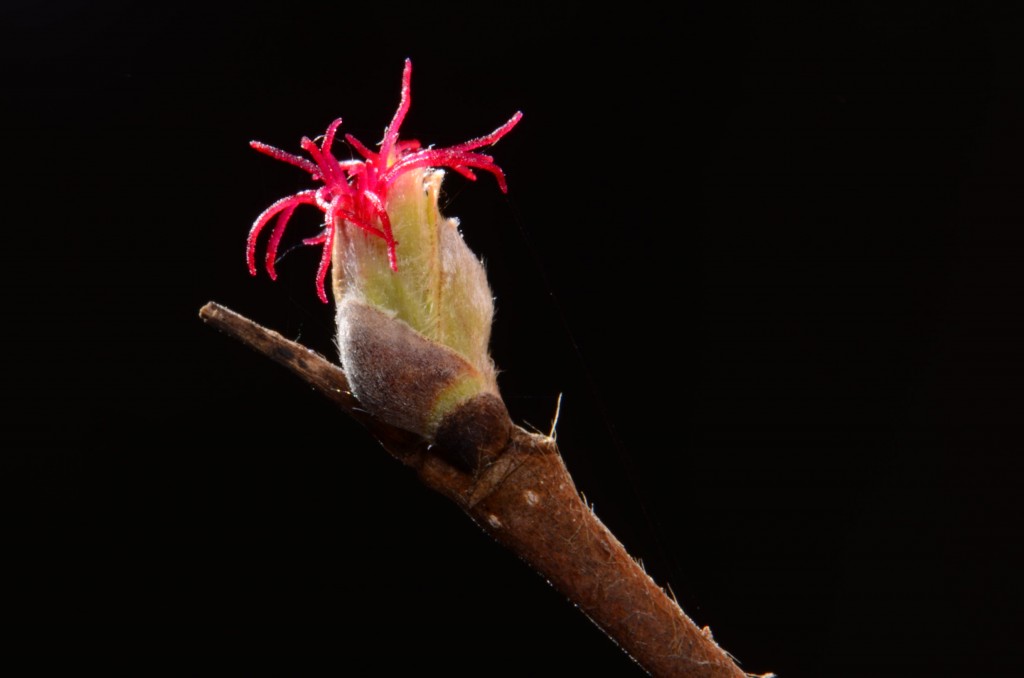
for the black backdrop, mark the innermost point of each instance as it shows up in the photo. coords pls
(771, 257)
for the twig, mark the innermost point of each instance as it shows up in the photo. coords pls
(526, 500)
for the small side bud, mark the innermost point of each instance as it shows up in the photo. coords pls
(474, 434)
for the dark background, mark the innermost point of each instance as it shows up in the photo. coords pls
(772, 258)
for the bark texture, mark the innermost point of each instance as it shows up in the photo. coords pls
(515, 486)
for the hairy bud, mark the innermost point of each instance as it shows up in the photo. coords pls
(413, 334)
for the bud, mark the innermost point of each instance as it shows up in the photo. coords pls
(413, 334)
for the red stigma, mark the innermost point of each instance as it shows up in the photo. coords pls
(355, 192)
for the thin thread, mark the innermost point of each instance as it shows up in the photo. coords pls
(591, 383)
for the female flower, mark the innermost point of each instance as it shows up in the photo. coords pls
(355, 193)
(414, 336)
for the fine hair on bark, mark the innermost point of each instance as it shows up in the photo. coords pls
(515, 486)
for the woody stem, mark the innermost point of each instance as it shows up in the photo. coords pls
(527, 501)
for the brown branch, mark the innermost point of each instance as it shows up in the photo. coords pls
(526, 500)
(315, 370)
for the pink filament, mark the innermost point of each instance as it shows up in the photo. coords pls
(355, 192)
